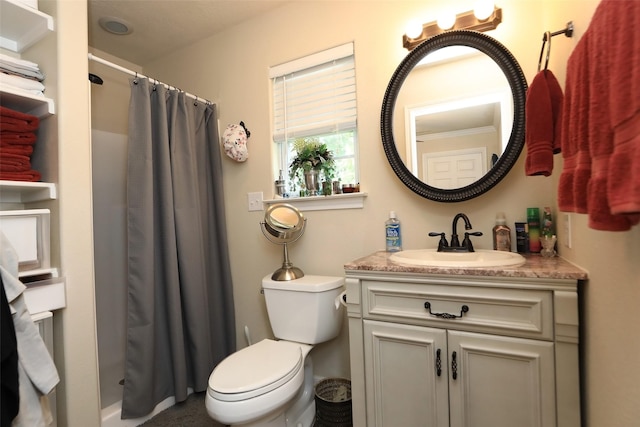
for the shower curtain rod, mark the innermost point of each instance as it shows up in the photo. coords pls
(92, 57)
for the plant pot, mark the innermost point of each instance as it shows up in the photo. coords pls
(326, 188)
(312, 182)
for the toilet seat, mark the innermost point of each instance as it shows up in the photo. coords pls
(255, 370)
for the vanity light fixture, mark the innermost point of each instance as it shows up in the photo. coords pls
(478, 20)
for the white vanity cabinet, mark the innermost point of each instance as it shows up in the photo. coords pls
(441, 350)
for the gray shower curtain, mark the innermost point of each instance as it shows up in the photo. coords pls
(180, 320)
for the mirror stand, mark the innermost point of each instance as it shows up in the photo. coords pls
(284, 224)
(287, 271)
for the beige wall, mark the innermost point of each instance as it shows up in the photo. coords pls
(231, 70)
(63, 55)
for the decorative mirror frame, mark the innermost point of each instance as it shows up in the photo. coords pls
(518, 84)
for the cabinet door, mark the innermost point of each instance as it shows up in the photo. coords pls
(404, 385)
(501, 381)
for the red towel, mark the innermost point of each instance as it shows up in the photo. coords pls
(12, 120)
(14, 162)
(574, 132)
(20, 149)
(593, 174)
(17, 138)
(31, 176)
(623, 175)
(542, 131)
(557, 100)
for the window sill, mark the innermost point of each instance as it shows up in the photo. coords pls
(323, 203)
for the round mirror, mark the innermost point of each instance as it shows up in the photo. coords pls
(452, 118)
(284, 224)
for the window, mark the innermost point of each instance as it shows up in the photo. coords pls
(315, 96)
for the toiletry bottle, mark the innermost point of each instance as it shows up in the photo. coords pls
(547, 222)
(533, 220)
(501, 234)
(392, 231)
(522, 241)
(280, 191)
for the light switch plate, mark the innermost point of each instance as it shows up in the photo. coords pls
(255, 201)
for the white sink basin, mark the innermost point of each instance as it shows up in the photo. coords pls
(479, 258)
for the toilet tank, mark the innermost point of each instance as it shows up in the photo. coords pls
(304, 310)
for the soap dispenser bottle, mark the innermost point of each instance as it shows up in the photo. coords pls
(501, 234)
(280, 190)
(392, 232)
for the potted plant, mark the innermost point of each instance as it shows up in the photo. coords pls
(312, 158)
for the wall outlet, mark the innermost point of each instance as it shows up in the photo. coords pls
(255, 201)
(566, 221)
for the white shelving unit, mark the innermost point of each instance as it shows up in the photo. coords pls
(22, 26)
(25, 102)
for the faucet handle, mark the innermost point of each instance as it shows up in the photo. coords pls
(443, 240)
(467, 241)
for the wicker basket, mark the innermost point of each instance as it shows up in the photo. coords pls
(333, 403)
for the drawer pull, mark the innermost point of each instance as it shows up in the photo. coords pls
(438, 363)
(463, 309)
(454, 365)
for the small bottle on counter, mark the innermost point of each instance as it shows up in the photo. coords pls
(547, 223)
(280, 190)
(522, 237)
(533, 220)
(501, 234)
(393, 234)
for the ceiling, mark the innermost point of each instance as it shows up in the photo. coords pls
(160, 27)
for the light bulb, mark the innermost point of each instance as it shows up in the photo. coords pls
(413, 29)
(446, 20)
(483, 9)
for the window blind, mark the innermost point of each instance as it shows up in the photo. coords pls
(318, 99)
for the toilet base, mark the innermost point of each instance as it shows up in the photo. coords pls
(299, 412)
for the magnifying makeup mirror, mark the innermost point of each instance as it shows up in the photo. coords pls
(284, 224)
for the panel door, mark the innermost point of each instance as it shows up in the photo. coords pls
(501, 381)
(405, 383)
(454, 169)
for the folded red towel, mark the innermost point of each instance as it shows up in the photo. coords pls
(14, 138)
(542, 131)
(31, 176)
(17, 121)
(20, 149)
(14, 162)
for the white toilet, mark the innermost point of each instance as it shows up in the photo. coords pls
(271, 383)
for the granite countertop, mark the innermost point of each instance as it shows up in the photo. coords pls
(535, 266)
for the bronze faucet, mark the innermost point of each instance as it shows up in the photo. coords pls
(455, 246)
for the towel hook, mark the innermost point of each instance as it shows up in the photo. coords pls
(546, 39)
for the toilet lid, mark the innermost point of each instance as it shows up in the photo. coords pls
(255, 370)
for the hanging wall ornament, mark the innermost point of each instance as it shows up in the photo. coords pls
(234, 140)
